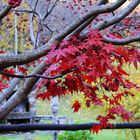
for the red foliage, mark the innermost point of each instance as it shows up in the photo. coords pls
(22, 69)
(82, 61)
(76, 106)
(3, 86)
(10, 71)
(14, 3)
(96, 128)
(91, 59)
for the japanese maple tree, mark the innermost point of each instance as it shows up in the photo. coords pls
(87, 56)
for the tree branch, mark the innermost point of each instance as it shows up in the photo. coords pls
(5, 12)
(31, 29)
(37, 75)
(34, 8)
(115, 19)
(9, 60)
(26, 11)
(87, 22)
(65, 127)
(123, 41)
(48, 12)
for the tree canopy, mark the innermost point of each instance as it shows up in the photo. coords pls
(64, 47)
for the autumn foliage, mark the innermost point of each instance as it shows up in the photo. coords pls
(87, 64)
(14, 3)
(91, 66)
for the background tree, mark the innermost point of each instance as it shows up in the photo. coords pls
(86, 53)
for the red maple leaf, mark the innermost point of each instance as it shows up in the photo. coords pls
(51, 69)
(135, 58)
(3, 86)
(10, 71)
(105, 97)
(96, 129)
(121, 71)
(44, 95)
(76, 106)
(22, 69)
(108, 48)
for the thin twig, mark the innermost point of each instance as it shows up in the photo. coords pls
(37, 75)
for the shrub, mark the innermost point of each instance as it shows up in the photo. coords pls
(77, 135)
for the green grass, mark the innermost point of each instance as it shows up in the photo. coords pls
(104, 135)
(110, 135)
(26, 137)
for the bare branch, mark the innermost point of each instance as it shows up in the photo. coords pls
(48, 13)
(37, 75)
(26, 11)
(123, 41)
(34, 8)
(65, 127)
(5, 12)
(87, 22)
(9, 91)
(113, 20)
(31, 29)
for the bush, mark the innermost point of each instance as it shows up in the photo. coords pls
(77, 135)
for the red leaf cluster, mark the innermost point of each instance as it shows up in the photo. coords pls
(3, 86)
(84, 60)
(22, 69)
(14, 3)
(76, 106)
